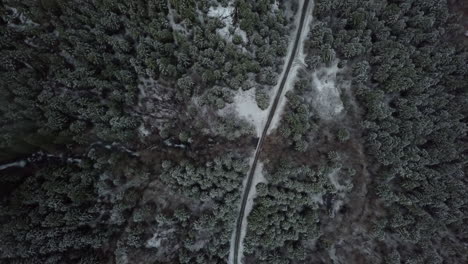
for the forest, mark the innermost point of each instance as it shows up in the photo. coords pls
(127, 131)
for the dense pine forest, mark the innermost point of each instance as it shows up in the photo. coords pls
(127, 131)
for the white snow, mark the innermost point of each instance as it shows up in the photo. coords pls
(258, 177)
(242, 33)
(74, 160)
(170, 144)
(336, 207)
(154, 242)
(298, 63)
(332, 254)
(275, 6)
(143, 131)
(174, 25)
(317, 198)
(342, 190)
(225, 15)
(24, 21)
(327, 100)
(333, 177)
(246, 107)
(20, 164)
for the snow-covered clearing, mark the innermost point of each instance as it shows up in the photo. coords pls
(225, 14)
(257, 178)
(298, 63)
(327, 101)
(246, 107)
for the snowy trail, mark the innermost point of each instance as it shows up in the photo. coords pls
(254, 176)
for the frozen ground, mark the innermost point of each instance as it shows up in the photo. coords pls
(327, 100)
(258, 178)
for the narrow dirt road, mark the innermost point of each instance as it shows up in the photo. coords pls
(271, 114)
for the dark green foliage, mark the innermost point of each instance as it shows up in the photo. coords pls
(262, 97)
(217, 186)
(407, 66)
(69, 213)
(78, 79)
(297, 120)
(285, 215)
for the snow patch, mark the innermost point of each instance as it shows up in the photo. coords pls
(19, 164)
(170, 144)
(243, 34)
(333, 177)
(336, 207)
(154, 242)
(74, 160)
(317, 198)
(225, 14)
(275, 6)
(143, 131)
(246, 107)
(327, 100)
(24, 21)
(174, 25)
(258, 177)
(332, 255)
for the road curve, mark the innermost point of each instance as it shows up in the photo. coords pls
(271, 114)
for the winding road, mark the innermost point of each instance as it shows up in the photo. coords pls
(271, 114)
